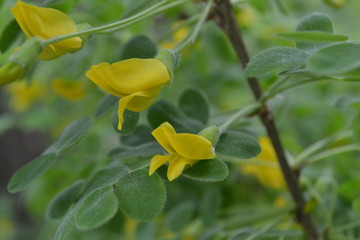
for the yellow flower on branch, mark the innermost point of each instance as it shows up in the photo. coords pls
(184, 150)
(46, 23)
(70, 90)
(267, 170)
(24, 95)
(137, 81)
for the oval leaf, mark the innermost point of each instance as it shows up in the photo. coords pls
(236, 145)
(194, 104)
(312, 36)
(141, 197)
(139, 47)
(62, 202)
(335, 59)
(98, 208)
(72, 134)
(277, 58)
(28, 173)
(213, 170)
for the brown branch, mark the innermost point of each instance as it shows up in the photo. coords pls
(224, 15)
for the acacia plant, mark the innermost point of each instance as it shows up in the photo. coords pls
(225, 125)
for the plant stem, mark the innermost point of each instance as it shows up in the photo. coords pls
(250, 109)
(194, 34)
(157, 8)
(226, 20)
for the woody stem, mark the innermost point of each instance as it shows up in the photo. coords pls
(226, 20)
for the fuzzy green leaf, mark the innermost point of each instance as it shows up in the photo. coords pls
(141, 135)
(195, 105)
(104, 105)
(141, 197)
(62, 202)
(72, 134)
(97, 209)
(28, 173)
(139, 47)
(163, 111)
(180, 216)
(277, 58)
(131, 120)
(212, 170)
(335, 59)
(308, 36)
(233, 144)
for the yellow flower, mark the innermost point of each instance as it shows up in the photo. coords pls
(46, 23)
(70, 90)
(23, 95)
(184, 150)
(137, 81)
(269, 173)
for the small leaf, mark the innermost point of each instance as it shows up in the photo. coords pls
(234, 144)
(141, 135)
(210, 205)
(307, 36)
(9, 35)
(28, 173)
(180, 216)
(212, 170)
(195, 105)
(316, 22)
(163, 111)
(105, 177)
(141, 197)
(72, 134)
(335, 59)
(97, 209)
(104, 105)
(277, 58)
(139, 47)
(131, 120)
(62, 202)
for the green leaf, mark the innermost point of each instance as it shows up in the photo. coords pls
(62, 202)
(141, 135)
(139, 47)
(28, 173)
(314, 22)
(277, 58)
(105, 177)
(356, 127)
(141, 197)
(212, 170)
(97, 209)
(195, 105)
(72, 134)
(131, 120)
(136, 156)
(163, 111)
(67, 225)
(210, 205)
(356, 206)
(233, 144)
(180, 216)
(105, 105)
(9, 35)
(307, 36)
(335, 59)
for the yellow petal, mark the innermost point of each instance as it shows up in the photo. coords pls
(47, 23)
(161, 135)
(267, 150)
(156, 162)
(135, 102)
(102, 76)
(191, 146)
(135, 74)
(70, 90)
(177, 166)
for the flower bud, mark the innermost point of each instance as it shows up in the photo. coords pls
(169, 59)
(211, 133)
(10, 72)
